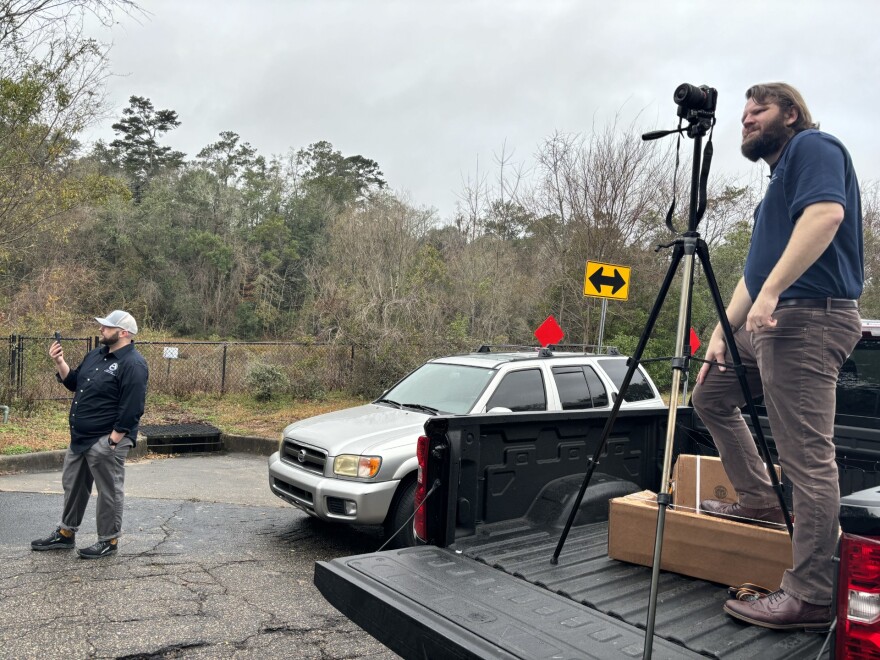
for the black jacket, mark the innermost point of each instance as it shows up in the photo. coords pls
(110, 392)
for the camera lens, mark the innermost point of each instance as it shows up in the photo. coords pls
(689, 96)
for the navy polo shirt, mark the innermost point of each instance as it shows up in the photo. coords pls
(813, 167)
(111, 389)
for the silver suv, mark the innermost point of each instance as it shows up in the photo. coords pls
(359, 465)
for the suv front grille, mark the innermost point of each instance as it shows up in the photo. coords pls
(303, 457)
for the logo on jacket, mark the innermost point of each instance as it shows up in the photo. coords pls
(112, 369)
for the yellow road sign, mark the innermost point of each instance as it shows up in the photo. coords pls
(606, 280)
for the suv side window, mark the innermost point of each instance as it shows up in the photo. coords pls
(520, 391)
(579, 388)
(638, 390)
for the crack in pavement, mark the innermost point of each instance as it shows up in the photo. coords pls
(167, 530)
(163, 652)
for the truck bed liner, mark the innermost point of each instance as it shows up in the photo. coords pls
(422, 602)
(688, 610)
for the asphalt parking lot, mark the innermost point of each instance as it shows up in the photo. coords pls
(211, 565)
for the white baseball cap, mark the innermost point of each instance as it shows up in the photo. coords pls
(119, 319)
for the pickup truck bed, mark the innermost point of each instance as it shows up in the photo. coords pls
(587, 606)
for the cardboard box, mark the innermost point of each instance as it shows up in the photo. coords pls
(723, 551)
(698, 478)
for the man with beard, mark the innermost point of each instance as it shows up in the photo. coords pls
(110, 387)
(795, 319)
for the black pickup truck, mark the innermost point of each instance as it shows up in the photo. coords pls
(484, 586)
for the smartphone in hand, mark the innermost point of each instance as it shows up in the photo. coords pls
(58, 336)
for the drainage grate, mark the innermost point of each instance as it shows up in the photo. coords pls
(181, 438)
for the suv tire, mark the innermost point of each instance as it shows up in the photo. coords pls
(400, 511)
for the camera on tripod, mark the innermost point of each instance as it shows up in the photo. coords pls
(695, 103)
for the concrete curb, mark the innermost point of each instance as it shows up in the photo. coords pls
(51, 461)
(245, 444)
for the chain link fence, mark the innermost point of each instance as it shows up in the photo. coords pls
(184, 367)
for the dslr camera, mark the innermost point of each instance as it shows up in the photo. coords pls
(695, 103)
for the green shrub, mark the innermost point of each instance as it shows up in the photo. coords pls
(309, 377)
(265, 380)
(15, 449)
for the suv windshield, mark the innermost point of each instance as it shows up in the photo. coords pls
(448, 388)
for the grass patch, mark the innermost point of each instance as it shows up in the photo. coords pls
(45, 427)
(12, 450)
(39, 427)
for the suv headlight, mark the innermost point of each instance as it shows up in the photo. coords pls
(349, 465)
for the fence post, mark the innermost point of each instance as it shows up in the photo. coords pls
(223, 372)
(13, 358)
(19, 372)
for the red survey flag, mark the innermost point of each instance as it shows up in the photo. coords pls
(695, 342)
(549, 332)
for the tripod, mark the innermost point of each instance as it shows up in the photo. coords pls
(686, 247)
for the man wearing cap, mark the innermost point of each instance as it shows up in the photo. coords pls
(110, 387)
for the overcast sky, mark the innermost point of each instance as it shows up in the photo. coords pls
(430, 88)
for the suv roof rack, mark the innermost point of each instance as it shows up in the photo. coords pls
(587, 349)
(505, 348)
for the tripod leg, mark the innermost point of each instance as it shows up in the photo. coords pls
(680, 365)
(760, 440)
(609, 423)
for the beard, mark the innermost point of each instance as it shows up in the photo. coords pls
(767, 142)
(109, 340)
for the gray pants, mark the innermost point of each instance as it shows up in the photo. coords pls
(795, 365)
(104, 466)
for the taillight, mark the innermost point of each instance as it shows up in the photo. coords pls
(858, 599)
(419, 522)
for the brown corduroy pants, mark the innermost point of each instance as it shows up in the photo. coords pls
(795, 366)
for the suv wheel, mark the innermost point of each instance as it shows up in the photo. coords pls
(402, 507)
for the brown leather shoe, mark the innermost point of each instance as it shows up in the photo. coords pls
(780, 611)
(741, 513)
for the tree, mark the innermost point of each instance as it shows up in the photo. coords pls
(27, 21)
(595, 198)
(51, 84)
(870, 300)
(326, 173)
(137, 151)
(228, 158)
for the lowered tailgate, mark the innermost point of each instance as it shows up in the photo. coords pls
(433, 602)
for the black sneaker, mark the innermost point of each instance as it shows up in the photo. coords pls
(55, 541)
(100, 549)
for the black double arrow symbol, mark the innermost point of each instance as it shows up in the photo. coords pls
(599, 279)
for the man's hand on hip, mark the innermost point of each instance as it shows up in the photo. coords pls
(760, 316)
